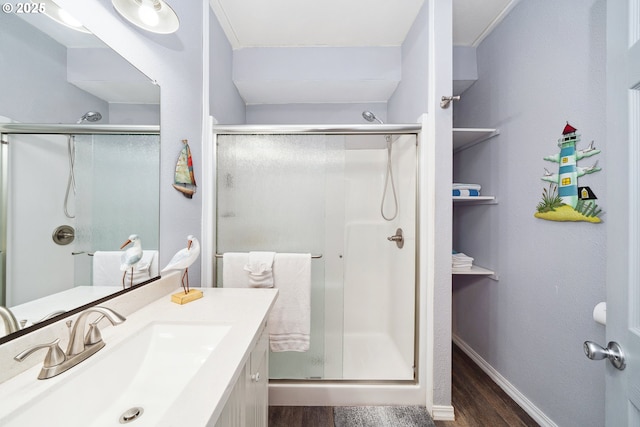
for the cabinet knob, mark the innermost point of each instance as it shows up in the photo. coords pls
(255, 377)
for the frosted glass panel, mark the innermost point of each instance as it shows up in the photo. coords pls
(117, 194)
(321, 194)
(272, 196)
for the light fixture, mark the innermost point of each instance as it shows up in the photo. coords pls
(151, 15)
(60, 15)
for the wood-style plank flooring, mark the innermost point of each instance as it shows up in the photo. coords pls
(478, 402)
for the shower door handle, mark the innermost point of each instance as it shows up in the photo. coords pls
(398, 238)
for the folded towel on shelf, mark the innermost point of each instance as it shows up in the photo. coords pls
(290, 318)
(462, 186)
(106, 268)
(465, 190)
(260, 269)
(465, 193)
(460, 261)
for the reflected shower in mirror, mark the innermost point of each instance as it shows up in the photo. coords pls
(71, 202)
(89, 192)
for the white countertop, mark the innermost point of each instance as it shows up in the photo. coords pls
(35, 310)
(204, 396)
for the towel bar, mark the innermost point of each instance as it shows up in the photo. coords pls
(312, 256)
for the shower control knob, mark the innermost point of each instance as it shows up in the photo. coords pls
(613, 352)
(398, 238)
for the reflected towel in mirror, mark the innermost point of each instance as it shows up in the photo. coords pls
(106, 268)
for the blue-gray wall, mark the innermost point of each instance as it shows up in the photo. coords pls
(226, 105)
(176, 62)
(33, 78)
(341, 113)
(410, 100)
(543, 65)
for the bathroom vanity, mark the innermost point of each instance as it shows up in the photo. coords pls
(204, 363)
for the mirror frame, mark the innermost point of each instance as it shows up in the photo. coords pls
(72, 312)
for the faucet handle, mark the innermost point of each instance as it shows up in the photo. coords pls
(94, 336)
(55, 356)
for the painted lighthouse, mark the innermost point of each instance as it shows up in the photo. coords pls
(569, 195)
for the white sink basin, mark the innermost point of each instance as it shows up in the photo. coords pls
(148, 370)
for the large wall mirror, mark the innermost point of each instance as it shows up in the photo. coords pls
(79, 168)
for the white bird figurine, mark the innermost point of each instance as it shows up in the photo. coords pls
(183, 260)
(131, 257)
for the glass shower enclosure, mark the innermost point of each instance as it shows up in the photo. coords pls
(325, 194)
(96, 186)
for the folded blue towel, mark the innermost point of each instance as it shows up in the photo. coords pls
(466, 192)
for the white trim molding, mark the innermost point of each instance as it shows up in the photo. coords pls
(505, 385)
(442, 413)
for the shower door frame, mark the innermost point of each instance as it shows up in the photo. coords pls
(209, 272)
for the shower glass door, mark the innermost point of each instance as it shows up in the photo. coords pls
(322, 194)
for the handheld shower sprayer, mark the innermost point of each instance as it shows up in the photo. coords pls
(90, 116)
(370, 117)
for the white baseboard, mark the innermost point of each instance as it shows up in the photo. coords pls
(442, 413)
(505, 385)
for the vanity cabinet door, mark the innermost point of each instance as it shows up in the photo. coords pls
(258, 383)
(248, 404)
(234, 411)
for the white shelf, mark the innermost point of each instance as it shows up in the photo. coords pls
(476, 271)
(473, 199)
(467, 137)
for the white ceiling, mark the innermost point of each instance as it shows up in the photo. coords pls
(473, 20)
(337, 23)
(303, 23)
(277, 23)
(142, 91)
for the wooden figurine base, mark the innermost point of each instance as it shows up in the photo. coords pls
(182, 298)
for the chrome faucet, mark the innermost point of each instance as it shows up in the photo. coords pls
(77, 342)
(80, 346)
(10, 321)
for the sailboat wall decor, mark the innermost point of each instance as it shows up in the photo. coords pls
(184, 180)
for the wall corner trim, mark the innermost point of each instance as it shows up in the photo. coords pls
(505, 385)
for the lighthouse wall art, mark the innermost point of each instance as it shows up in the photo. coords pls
(564, 199)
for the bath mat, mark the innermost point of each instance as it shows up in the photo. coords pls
(381, 416)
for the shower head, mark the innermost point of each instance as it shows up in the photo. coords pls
(90, 116)
(370, 117)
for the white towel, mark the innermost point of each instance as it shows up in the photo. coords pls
(463, 186)
(233, 273)
(106, 268)
(260, 269)
(290, 318)
(146, 268)
(460, 261)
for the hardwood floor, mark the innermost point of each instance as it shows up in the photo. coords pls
(478, 402)
(300, 416)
